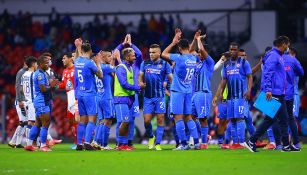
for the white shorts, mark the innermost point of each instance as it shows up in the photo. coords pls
(71, 104)
(30, 111)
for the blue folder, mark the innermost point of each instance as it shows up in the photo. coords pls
(269, 108)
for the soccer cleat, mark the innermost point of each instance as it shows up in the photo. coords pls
(96, 146)
(260, 144)
(19, 146)
(12, 145)
(203, 146)
(270, 146)
(250, 146)
(278, 148)
(197, 146)
(124, 148)
(49, 143)
(55, 141)
(225, 146)
(158, 147)
(151, 142)
(30, 148)
(290, 148)
(180, 147)
(79, 148)
(89, 147)
(73, 146)
(45, 149)
(298, 145)
(106, 148)
(236, 146)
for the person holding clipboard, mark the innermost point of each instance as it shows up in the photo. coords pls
(274, 86)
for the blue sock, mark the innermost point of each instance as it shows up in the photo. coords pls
(271, 135)
(89, 132)
(228, 133)
(159, 134)
(123, 140)
(43, 134)
(96, 133)
(100, 134)
(180, 128)
(193, 130)
(131, 130)
(241, 131)
(175, 134)
(33, 133)
(106, 133)
(234, 134)
(117, 130)
(148, 128)
(249, 125)
(204, 134)
(220, 138)
(80, 133)
(198, 127)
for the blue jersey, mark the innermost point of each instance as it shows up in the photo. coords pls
(85, 82)
(41, 98)
(107, 80)
(235, 72)
(184, 70)
(155, 74)
(203, 75)
(296, 80)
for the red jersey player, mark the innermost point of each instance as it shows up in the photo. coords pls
(67, 83)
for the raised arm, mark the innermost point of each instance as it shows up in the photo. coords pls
(166, 52)
(202, 51)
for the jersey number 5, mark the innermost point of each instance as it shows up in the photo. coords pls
(80, 77)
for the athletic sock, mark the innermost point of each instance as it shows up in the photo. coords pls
(204, 134)
(20, 135)
(241, 131)
(193, 130)
(106, 133)
(180, 128)
(43, 135)
(13, 140)
(32, 135)
(148, 128)
(249, 125)
(198, 126)
(89, 132)
(159, 134)
(99, 138)
(271, 135)
(175, 134)
(80, 133)
(228, 133)
(234, 134)
(131, 130)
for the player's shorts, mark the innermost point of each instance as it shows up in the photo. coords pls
(235, 108)
(296, 105)
(87, 105)
(201, 103)
(123, 112)
(105, 108)
(135, 106)
(21, 117)
(246, 109)
(41, 109)
(30, 111)
(222, 110)
(181, 103)
(154, 105)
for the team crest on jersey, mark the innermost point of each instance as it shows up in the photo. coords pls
(126, 117)
(238, 65)
(160, 66)
(39, 77)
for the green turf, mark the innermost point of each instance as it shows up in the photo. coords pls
(142, 161)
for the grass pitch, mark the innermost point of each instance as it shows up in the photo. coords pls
(63, 160)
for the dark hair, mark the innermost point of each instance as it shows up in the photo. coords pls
(47, 54)
(93, 55)
(268, 48)
(41, 59)
(281, 40)
(125, 52)
(241, 50)
(183, 44)
(30, 60)
(68, 54)
(234, 44)
(86, 47)
(292, 49)
(154, 46)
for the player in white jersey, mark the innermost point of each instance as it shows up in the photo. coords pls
(28, 92)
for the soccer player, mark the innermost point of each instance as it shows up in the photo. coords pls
(293, 70)
(296, 100)
(181, 88)
(106, 109)
(67, 83)
(28, 92)
(152, 75)
(203, 96)
(235, 69)
(42, 89)
(124, 96)
(86, 92)
(274, 73)
(136, 69)
(20, 108)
